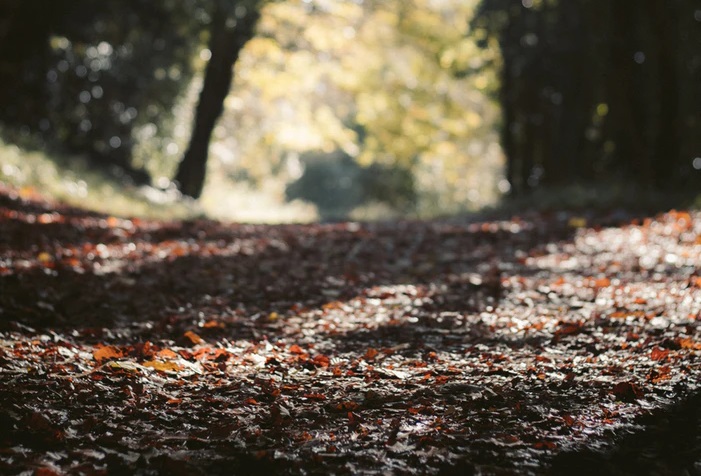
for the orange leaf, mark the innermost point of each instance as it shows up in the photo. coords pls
(166, 354)
(163, 366)
(45, 257)
(295, 349)
(688, 343)
(371, 354)
(212, 324)
(347, 406)
(194, 338)
(106, 352)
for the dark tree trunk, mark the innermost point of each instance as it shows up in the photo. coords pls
(232, 27)
(627, 118)
(507, 98)
(666, 147)
(575, 86)
(508, 122)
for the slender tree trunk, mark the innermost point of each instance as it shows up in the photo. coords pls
(507, 98)
(508, 122)
(576, 97)
(627, 118)
(232, 27)
(666, 148)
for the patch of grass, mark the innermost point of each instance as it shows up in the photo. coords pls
(69, 180)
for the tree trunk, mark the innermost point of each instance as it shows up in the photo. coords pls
(627, 117)
(232, 27)
(508, 121)
(507, 94)
(666, 148)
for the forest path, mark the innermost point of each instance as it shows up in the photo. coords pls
(553, 342)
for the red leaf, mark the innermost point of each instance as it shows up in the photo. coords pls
(659, 354)
(321, 360)
(627, 391)
(315, 396)
(569, 328)
(543, 445)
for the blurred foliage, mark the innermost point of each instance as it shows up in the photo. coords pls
(393, 85)
(87, 74)
(72, 180)
(337, 185)
(397, 84)
(366, 107)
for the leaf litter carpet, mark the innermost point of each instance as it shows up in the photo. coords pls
(561, 343)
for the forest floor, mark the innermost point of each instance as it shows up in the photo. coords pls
(554, 342)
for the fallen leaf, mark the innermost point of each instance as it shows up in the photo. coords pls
(295, 349)
(163, 366)
(627, 391)
(659, 354)
(315, 396)
(166, 354)
(194, 338)
(106, 352)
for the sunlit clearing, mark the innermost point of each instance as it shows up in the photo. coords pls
(299, 92)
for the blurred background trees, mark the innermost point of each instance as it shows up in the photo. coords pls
(597, 90)
(358, 108)
(86, 75)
